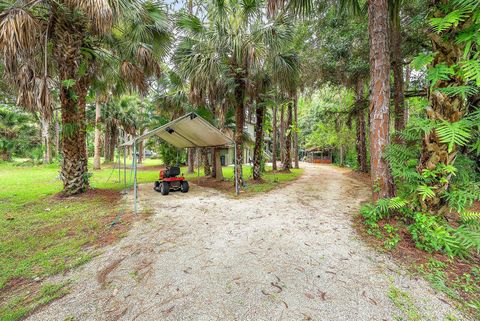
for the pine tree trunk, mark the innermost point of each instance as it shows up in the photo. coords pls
(258, 149)
(406, 87)
(240, 122)
(47, 154)
(98, 137)
(295, 133)
(287, 161)
(274, 138)
(379, 106)
(191, 160)
(398, 90)
(361, 133)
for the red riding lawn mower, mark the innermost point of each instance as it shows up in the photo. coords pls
(170, 181)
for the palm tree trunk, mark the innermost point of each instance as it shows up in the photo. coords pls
(70, 36)
(379, 106)
(340, 151)
(206, 164)
(47, 154)
(239, 122)
(282, 134)
(98, 135)
(287, 160)
(74, 167)
(6, 156)
(57, 135)
(361, 133)
(191, 160)
(113, 142)
(141, 151)
(214, 162)
(107, 143)
(446, 108)
(218, 165)
(295, 133)
(274, 138)
(258, 149)
(398, 90)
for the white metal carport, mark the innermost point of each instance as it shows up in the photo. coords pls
(188, 131)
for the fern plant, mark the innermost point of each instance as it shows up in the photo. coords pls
(456, 133)
(468, 233)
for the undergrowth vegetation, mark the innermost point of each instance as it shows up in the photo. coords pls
(453, 230)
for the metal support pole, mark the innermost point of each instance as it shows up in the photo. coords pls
(119, 164)
(135, 192)
(125, 165)
(235, 174)
(198, 166)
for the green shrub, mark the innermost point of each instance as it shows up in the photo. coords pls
(431, 235)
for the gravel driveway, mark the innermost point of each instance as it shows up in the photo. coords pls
(291, 254)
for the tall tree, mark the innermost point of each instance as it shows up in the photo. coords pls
(220, 56)
(287, 157)
(397, 66)
(382, 181)
(361, 131)
(295, 132)
(98, 136)
(76, 31)
(274, 136)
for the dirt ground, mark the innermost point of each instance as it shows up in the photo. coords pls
(291, 254)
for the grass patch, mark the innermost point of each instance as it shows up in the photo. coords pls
(42, 234)
(405, 304)
(20, 306)
(459, 281)
(270, 180)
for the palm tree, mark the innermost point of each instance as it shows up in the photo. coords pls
(274, 136)
(76, 32)
(218, 57)
(287, 76)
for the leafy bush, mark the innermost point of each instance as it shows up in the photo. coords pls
(430, 231)
(431, 235)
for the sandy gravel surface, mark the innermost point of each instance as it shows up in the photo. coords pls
(291, 254)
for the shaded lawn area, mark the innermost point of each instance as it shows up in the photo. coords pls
(270, 180)
(42, 234)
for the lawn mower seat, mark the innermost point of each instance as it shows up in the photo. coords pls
(172, 172)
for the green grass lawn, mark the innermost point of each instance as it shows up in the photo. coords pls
(42, 234)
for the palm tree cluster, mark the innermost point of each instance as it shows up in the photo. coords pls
(236, 56)
(59, 50)
(137, 63)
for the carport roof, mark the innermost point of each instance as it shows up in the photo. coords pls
(190, 130)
